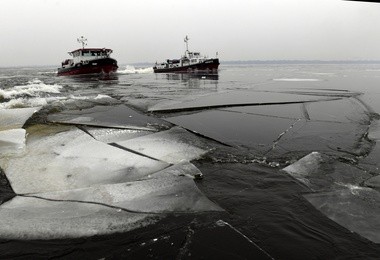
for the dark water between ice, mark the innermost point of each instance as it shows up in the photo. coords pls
(257, 119)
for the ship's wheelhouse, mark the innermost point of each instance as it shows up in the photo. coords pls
(83, 55)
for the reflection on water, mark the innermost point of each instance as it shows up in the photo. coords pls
(192, 80)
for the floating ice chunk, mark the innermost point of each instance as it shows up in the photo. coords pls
(355, 208)
(172, 146)
(119, 116)
(34, 218)
(304, 167)
(103, 209)
(244, 130)
(320, 172)
(12, 141)
(73, 159)
(110, 135)
(16, 117)
(170, 193)
(346, 110)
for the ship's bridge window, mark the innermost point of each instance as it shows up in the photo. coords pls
(193, 60)
(86, 53)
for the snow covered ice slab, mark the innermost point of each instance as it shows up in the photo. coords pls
(172, 146)
(34, 218)
(12, 141)
(16, 117)
(103, 209)
(322, 173)
(70, 160)
(167, 193)
(355, 208)
(119, 116)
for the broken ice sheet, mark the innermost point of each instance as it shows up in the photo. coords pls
(12, 141)
(112, 135)
(34, 218)
(338, 139)
(344, 110)
(172, 146)
(355, 208)
(166, 194)
(238, 129)
(235, 98)
(119, 116)
(290, 111)
(321, 173)
(103, 209)
(16, 117)
(72, 159)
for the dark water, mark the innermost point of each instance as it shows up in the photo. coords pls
(257, 119)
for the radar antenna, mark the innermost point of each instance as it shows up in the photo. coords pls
(83, 41)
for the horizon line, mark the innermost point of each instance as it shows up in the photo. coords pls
(272, 61)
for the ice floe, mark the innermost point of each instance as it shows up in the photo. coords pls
(119, 116)
(356, 208)
(16, 117)
(34, 218)
(112, 135)
(237, 129)
(172, 146)
(346, 110)
(73, 159)
(236, 98)
(103, 209)
(337, 194)
(12, 141)
(321, 173)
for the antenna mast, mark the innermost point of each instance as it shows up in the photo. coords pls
(83, 41)
(187, 44)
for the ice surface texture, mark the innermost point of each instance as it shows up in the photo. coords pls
(338, 194)
(72, 183)
(119, 116)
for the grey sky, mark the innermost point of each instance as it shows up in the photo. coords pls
(41, 32)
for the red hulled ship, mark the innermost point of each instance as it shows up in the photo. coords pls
(88, 61)
(190, 62)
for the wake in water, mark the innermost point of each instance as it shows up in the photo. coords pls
(132, 70)
(33, 88)
(34, 93)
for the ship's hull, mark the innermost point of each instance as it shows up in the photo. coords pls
(98, 66)
(207, 65)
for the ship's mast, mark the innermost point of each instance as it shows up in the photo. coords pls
(187, 44)
(83, 41)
